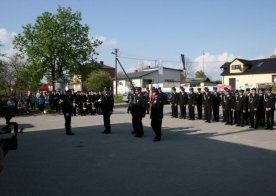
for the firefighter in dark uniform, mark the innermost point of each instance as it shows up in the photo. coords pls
(207, 102)
(247, 114)
(191, 104)
(269, 104)
(223, 98)
(156, 114)
(174, 103)
(107, 104)
(253, 104)
(229, 107)
(183, 99)
(199, 103)
(138, 112)
(240, 108)
(215, 104)
(67, 110)
(261, 110)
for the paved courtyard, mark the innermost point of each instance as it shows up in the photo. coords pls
(193, 158)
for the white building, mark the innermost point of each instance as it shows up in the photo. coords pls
(162, 77)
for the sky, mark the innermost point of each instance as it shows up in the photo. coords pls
(151, 32)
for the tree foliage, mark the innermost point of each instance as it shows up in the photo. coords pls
(56, 44)
(97, 81)
(200, 74)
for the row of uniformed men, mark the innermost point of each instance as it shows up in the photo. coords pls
(238, 107)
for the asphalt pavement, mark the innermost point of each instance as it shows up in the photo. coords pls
(192, 158)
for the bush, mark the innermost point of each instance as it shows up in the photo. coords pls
(118, 99)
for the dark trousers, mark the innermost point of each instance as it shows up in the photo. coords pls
(174, 110)
(67, 117)
(261, 117)
(183, 111)
(240, 118)
(224, 115)
(207, 113)
(269, 119)
(229, 117)
(253, 118)
(216, 113)
(191, 112)
(199, 111)
(106, 118)
(156, 125)
(137, 125)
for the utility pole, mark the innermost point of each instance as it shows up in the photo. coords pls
(116, 56)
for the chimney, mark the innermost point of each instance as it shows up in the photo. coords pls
(136, 70)
(101, 62)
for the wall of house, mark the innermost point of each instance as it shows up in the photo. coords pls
(249, 80)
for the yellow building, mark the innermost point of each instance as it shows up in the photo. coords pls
(253, 73)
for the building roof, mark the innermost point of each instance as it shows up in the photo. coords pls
(140, 74)
(260, 66)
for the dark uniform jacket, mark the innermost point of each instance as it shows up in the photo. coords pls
(269, 101)
(157, 108)
(216, 99)
(229, 102)
(183, 99)
(174, 99)
(138, 108)
(240, 103)
(192, 98)
(207, 99)
(253, 101)
(67, 104)
(107, 104)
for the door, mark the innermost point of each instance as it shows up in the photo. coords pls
(232, 83)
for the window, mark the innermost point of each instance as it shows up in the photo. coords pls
(274, 78)
(236, 67)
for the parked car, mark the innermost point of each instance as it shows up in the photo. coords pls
(167, 97)
(126, 97)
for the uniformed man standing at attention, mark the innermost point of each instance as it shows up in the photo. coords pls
(138, 112)
(240, 108)
(207, 102)
(199, 102)
(183, 99)
(191, 103)
(269, 104)
(253, 104)
(261, 110)
(107, 104)
(67, 110)
(215, 104)
(174, 103)
(156, 114)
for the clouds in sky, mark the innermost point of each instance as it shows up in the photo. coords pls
(110, 43)
(211, 63)
(6, 39)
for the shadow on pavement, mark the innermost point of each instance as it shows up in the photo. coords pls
(90, 163)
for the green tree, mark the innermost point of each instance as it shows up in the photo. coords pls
(57, 44)
(273, 56)
(98, 80)
(200, 74)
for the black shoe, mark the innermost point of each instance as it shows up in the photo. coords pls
(138, 136)
(70, 133)
(271, 128)
(133, 132)
(251, 127)
(238, 125)
(156, 139)
(106, 132)
(267, 128)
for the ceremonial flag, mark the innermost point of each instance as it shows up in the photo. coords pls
(183, 61)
